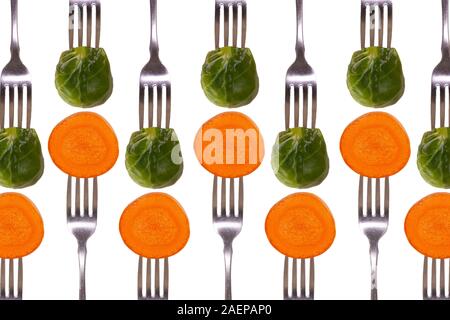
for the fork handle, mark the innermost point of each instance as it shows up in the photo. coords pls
(228, 255)
(82, 252)
(14, 29)
(154, 46)
(373, 264)
(445, 29)
(300, 46)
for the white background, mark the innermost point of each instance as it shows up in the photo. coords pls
(186, 35)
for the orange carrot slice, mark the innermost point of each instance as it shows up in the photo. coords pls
(154, 226)
(427, 226)
(21, 226)
(375, 145)
(84, 145)
(300, 226)
(229, 145)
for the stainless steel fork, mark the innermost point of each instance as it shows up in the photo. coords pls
(440, 79)
(150, 281)
(12, 291)
(432, 289)
(227, 220)
(291, 288)
(374, 13)
(82, 222)
(16, 80)
(154, 83)
(373, 223)
(301, 85)
(227, 12)
(84, 12)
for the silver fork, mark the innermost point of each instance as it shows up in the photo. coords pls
(300, 79)
(154, 81)
(79, 11)
(227, 220)
(227, 12)
(292, 268)
(373, 223)
(82, 221)
(150, 281)
(432, 289)
(15, 283)
(440, 79)
(16, 79)
(373, 13)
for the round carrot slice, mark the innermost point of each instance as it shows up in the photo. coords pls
(375, 145)
(229, 145)
(155, 226)
(84, 145)
(427, 226)
(300, 226)
(21, 226)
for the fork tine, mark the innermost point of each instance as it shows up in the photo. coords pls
(305, 105)
(442, 279)
(442, 105)
(377, 198)
(148, 280)
(94, 198)
(69, 197)
(360, 197)
(287, 106)
(98, 23)
(363, 25)
(157, 279)
(159, 105)
(386, 197)
(232, 213)
(71, 24)
(2, 105)
(29, 105)
(20, 279)
(80, 25)
(311, 278)
(139, 281)
(223, 198)
(390, 22)
(433, 278)
(77, 197)
(433, 107)
(285, 278)
(235, 25)
(19, 106)
(2, 279)
(314, 107)
(150, 90)
(217, 25)
(369, 197)
(244, 24)
(302, 278)
(425, 278)
(372, 15)
(226, 24)
(296, 106)
(241, 198)
(214, 198)
(11, 106)
(168, 105)
(89, 25)
(141, 105)
(294, 278)
(380, 24)
(86, 198)
(166, 278)
(11, 279)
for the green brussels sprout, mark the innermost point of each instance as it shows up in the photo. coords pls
(299, 158)
(83, 77)
(433, 157)
(229, 77)
(375, 77)
(21, 160)
(153, 158)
